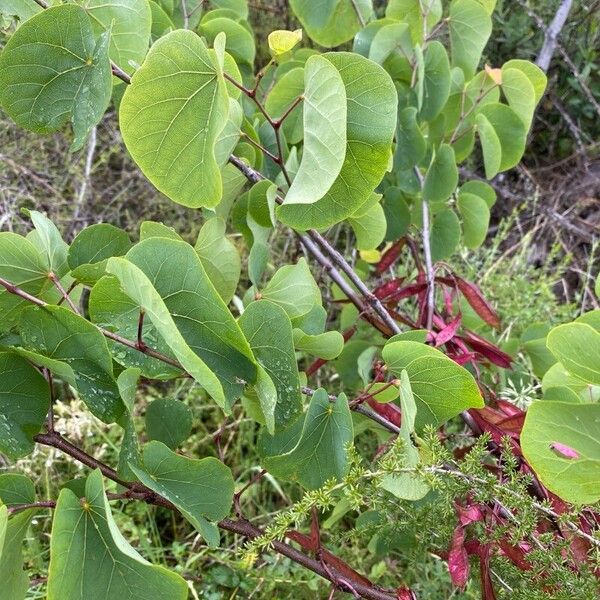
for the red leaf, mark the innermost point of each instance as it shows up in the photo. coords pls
(458, 560)
(478, 303)
(389, 410)
(468, 514)
(487, 592)
(388, 288)
(487, 349)
(390, 256)
(564, 451)
(515, 554)
(448, 332)
(405, 593)
(407, 292)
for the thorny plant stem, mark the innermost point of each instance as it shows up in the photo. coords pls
(241, 526)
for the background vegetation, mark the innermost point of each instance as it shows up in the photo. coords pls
(539, 264)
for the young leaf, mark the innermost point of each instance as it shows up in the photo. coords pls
(328, 345)
(52, 69)
(470, 28)
(573, 476)
(320, 454)
(201, 489)
(128, 23)
(369, 224)
(48, 239)
(268, 330)
(171, 117)
(325, 114)
(281, 41)
(442, 389)
(89, 558)
(24, 403)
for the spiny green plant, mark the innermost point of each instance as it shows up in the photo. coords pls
(371, 139)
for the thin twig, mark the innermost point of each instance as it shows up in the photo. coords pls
(427, 251)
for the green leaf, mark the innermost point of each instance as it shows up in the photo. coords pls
(519, 93)
(482, 189)
(445, 234)
(47, 237)
(576, 426)
(200, 489)
(111, 308)
(410, 143)
(490, 146)
(411, 12)
(261, 203)
(324, 150)
(442, 389)
(510, 133)
(476, 218)
(150, 229)
(129, 451)
(391, 38)
(557, 376)
(52, 70)
(220, 258)
(436, 82)
(441, 178)
(16, 489)
(372, 109)
(23, 265)
(171, 117)
(328, 345)
(294, 289)
(407, 486)
(20, 9)
(332, 22)
(470, 28)
(577, 347)
(536, 76)
(129, 23)
(91, 249)
(168, 421)
(238, 6)
(89, 558)
(15, 581)
(321, 453)
(73, 349)
(369, 224)
(281, 97)
(161, 21)
(239, 41)
(268, 330)
(188, 313)
(24, 403)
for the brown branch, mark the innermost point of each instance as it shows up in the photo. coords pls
(241, 527)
